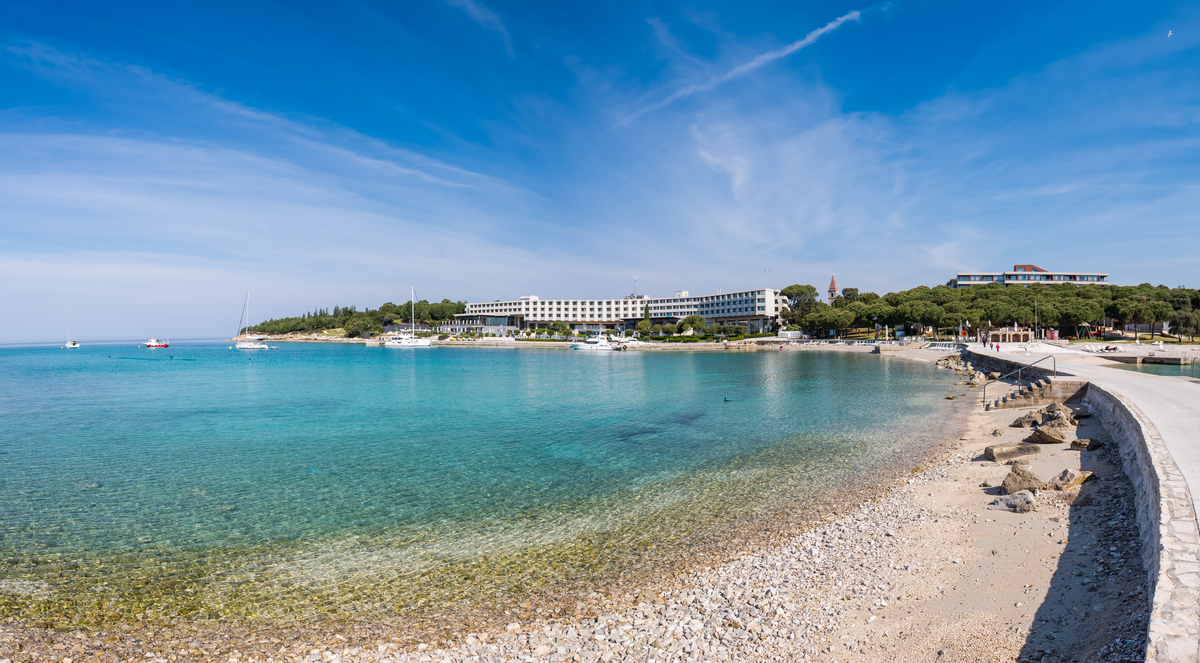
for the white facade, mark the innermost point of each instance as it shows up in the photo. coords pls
(753, 308)
(1028, 275)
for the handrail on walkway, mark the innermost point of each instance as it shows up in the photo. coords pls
(1018, 372)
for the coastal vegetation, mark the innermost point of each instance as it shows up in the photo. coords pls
(356, 323)
(1074, 310)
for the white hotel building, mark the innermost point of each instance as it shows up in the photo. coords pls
(1028, 275)
(758, 310)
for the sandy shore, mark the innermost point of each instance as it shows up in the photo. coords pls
(923, 572)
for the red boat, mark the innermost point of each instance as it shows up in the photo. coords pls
(155, 343)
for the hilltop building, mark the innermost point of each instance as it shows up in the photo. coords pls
(1029, 274)
(758, 310)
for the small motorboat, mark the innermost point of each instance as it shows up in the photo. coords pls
(594, 343)
(155, 343)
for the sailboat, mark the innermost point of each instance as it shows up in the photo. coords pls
(409, 338)
(71, 343)
(247, 344)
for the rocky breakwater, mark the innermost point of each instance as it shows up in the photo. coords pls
(972, 377)
(1053, 424)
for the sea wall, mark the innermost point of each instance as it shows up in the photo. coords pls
(1167, 521)
(988, 363)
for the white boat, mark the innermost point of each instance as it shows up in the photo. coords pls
(595, 343)
(249, 343)
(408, 339)
(71, 343)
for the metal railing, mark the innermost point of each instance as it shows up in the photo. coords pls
(1053, 359)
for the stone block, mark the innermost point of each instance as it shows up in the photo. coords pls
(1000, 453)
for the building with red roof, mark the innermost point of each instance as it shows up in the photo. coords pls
(1028, 275)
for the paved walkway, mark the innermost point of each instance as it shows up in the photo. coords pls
(1172, 403)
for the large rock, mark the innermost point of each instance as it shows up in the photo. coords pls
(1020, 478)
(1058, 432)
(1056, 412)
(1068, 479)
(1021, 502)
(1000, 453)
(953, 362)
(1086, 444)
(1027, 420)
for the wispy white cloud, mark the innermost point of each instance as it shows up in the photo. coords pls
(485, 17)
(139, 90)
(743, 69)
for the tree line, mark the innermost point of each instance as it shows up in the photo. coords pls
(978, 308)
(356, 323)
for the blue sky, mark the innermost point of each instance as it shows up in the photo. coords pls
(158, 161)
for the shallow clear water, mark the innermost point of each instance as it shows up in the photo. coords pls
(1160, 369)
(336, 478)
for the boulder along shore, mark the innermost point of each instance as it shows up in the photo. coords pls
(939, 566)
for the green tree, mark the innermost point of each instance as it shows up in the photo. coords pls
(355, 328)
(693, 321)
(644, 327)
(802, 300)
(670, 329)
(1122, 311)
(1140, 316)
(1158, 312)
(1185, 323)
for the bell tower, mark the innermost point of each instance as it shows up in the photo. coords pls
(833, 289)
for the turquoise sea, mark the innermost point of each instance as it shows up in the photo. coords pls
(1184, 370)
(338, 480)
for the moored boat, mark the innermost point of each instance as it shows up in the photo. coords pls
(248, 342)
(71, 343)
(594, 343)
(155, 343)
(408, 339)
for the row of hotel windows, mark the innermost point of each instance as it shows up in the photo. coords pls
(624, 305)
(1031, 277)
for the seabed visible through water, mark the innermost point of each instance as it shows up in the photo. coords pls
(340, 483)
